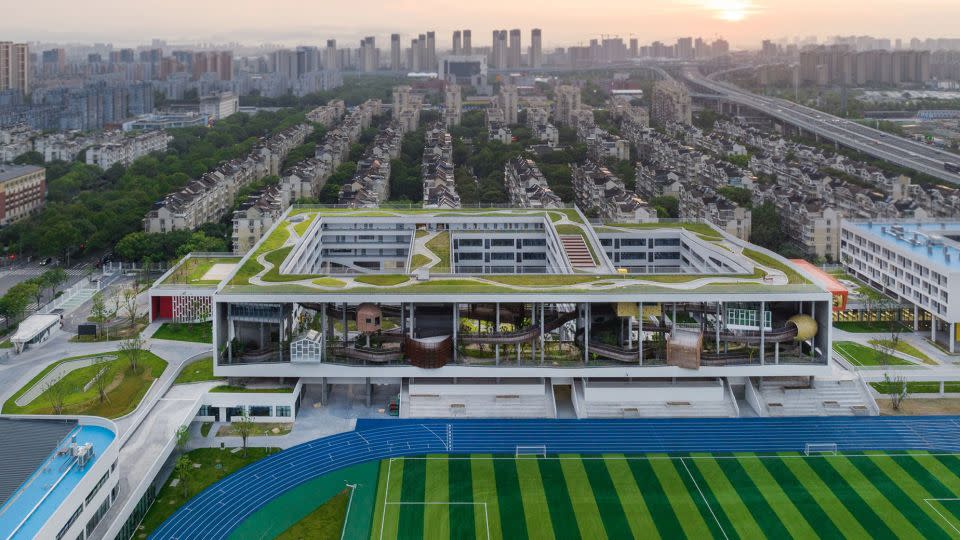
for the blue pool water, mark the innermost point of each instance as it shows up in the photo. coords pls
(919, 250)
(40, 496)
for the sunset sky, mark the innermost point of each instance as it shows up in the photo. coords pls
(742, 22)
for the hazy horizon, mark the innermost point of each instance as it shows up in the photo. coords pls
(564, 22)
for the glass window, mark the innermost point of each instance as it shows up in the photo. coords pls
(260, 410)
(283, 411)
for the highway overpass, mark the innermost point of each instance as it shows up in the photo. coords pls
(898, 150)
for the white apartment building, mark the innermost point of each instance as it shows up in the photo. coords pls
(219, 106)
(913, 261)
(125, 150)
(527, 186)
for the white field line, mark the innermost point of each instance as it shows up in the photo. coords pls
(705, 501)
(939, 513)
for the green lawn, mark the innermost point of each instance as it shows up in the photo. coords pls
(382, 280)
(418, 260)
(192, 270)
(919, 387)
(700, 228)
(192, 332)
(701, 496)
(170, 498)
(259, 428)
(793, 277)
(862, 355)
(440, 246)
(324, 523)
(124, 390)
(197, 371)
(905, 348)
(226, 388)
(867, 327)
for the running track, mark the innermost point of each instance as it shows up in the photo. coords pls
(215, 512)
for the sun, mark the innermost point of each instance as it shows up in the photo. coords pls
(730, 10)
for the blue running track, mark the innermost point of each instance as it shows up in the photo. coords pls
(215, 512)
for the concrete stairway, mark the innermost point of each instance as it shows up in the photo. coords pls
(823, 398)
(577, 251)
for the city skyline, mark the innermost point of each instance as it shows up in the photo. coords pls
(742, 22)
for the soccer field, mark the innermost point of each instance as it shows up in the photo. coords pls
(868, 495)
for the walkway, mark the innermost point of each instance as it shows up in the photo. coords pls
(252, 487)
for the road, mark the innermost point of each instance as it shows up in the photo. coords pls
(898, 150)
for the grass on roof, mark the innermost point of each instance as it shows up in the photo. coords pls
(276, 258)
(418, 260)
(440, 246)
(700, 228)
(382, 280)
(302, 227)
(192, 270)
(197, 371)
(232, 389)
(329, 282)
(793, 277)
(124, 387)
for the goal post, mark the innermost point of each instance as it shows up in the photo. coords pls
(531, 450)
(820, 448)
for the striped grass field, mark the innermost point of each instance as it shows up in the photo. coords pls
(658, 496)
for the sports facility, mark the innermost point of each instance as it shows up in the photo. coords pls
(814, 477)
(744, 495)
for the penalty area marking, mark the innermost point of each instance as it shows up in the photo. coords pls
(386, 503)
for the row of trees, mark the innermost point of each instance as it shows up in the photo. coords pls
(92, 209)
(14, 303)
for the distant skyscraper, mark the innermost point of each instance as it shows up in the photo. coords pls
(634, 49)
(368, 61)
(513, 56)
(431, 51)
(568, 103)
(14, 66)
(422, 52)
(498, 52)
(467, 45)
(457, 42)
(536, 48)
(395, 52)
(684, 48)
(331, 59)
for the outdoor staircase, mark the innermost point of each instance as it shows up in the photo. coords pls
(577, 251)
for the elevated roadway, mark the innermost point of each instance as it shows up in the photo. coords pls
(891, 148)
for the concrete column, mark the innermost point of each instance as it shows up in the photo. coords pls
(324, 392)
(586, 334)
(953, 337)
(813, 340)
(496, 347)
(346, 328)
(916, 318)
(403, 319)
(456, 324)
(717, 325)
(413, 319)
(543, 338)
(323, 332)
(941, 387)
(369, 388)
(640, 332)
(776, 353)
(763, 334)
(933, 328)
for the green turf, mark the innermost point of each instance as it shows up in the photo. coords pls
(743, 495)
(301, 504)
(862, 355)
(192, 332)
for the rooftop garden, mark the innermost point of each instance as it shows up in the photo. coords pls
(793, 277)
(702, 229)
(191, 270)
